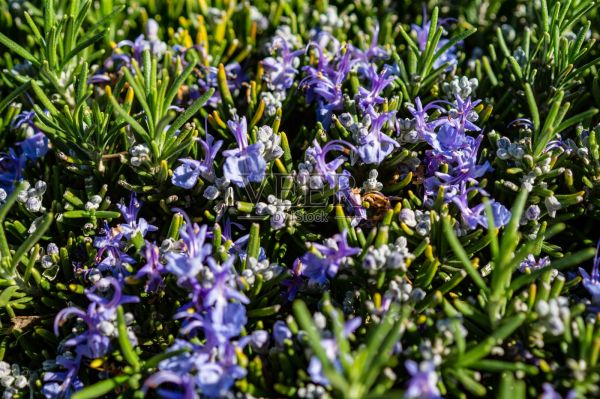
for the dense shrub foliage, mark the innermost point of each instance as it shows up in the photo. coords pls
(345, 199)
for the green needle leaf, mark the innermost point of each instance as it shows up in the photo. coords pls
(101, 388)
(125, 344)
(17, 49)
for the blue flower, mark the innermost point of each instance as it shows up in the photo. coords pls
(531, 263)
(235, 79)
(133, 225)
(323, 83)
(327, 170)
(281, 332)
(423, 381)
(592, 283)
(34, 147)
(185, 383)
(62, 384)
(281, 71)
(550, 393)
(476, 215)
(367, 99)
(374, 147)
(186, 175)
(110, 254)
(245, 163)
(215, 381)
(150, 41)
(11, 169)
(153, 270)
(188, 264)
(325, 259)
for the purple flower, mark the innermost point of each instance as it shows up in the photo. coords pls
(550, 393)
(219, 324)
(62, 384)
(222, 288)
(476, 215)
(187, 265)
(134, 225)
(150, 42)
(24, 118)
(153, 270)
(281, 332)
(258, 340)
(12, 162)
(110, 254)
(463, 113)
(95, 340)
(295, 282)
(186, 175)
(373, 53)
(462, 162)
(531, 263)
(354, 204)
(592, 283)
(216, 313)
(185, 384)
(327, 170)
(235, 79)
(11, 169)
(450, 146)
(423, 381)
(281, 71)
(215, 380)
(190, 372)
(367, 99)
(34, 147)
(323, 83)
(374, 147)
(245, 163)
(324, 260)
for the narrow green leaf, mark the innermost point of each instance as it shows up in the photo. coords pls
(179, 80)
(533, 108)
(31, 240)
(43, 98)
(585, 115)
(254, 241)
(127, 349)
(547, 132)
(462, 255)
(13, 95)
(189, 112)
(80, 47)
(129, 119)
(305, 320)
(17, 49)
(101, 388)
(454, 40)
